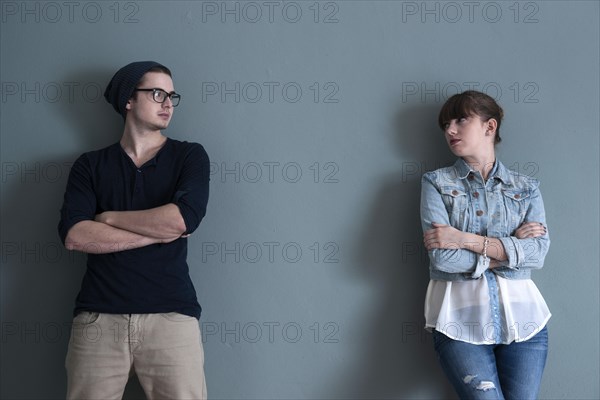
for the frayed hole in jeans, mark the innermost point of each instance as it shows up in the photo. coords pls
(482, 385)
(486, 385)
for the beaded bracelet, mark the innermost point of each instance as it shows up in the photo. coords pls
(486, 242)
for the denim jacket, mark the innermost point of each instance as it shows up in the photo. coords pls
(459, 196)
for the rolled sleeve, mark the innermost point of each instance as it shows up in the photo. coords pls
(513, 250)
(191, 195)
(483, 263)
(79, 202)
(529, 252)
(525, 253)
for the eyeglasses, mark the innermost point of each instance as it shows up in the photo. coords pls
(160, 96)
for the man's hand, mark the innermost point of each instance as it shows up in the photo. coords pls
(101, 218)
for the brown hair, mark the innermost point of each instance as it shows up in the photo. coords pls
(161, 68)
(158, 68)
(468, 104)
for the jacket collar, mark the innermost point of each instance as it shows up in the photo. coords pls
(499, 171)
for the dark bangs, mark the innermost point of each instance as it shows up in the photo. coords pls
(461, 105)
(471, 103)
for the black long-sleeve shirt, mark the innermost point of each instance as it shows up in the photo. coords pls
(151, 279)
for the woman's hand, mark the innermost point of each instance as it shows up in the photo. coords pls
(530, 230)
(443, 237)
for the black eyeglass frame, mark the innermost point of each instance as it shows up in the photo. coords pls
(154, 91)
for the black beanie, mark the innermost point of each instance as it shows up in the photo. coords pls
(120, 88)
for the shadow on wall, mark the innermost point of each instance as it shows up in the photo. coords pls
(396, 354)
(40, 278)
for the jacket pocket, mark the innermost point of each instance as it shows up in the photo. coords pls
(456, 201)
(516, 204)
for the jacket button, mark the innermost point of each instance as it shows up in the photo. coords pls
(476, 195)
(517, 196)
(479, 213)
(454, 192)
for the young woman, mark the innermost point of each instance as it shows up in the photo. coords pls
(485, 230)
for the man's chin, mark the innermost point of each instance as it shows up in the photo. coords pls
(161, 126)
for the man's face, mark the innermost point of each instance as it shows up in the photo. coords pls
(146, 113)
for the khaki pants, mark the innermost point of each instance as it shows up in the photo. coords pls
(163, 350)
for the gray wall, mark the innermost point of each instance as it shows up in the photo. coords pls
(319, 119)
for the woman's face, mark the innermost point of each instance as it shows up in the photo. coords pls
(469, 136)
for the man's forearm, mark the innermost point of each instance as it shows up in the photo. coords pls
(164, 222)
(98, 238)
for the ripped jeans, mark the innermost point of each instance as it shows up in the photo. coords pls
(490, 372)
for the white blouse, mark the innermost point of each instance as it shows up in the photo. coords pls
(488, 310)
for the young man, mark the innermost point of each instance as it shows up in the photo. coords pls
(131, 207)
